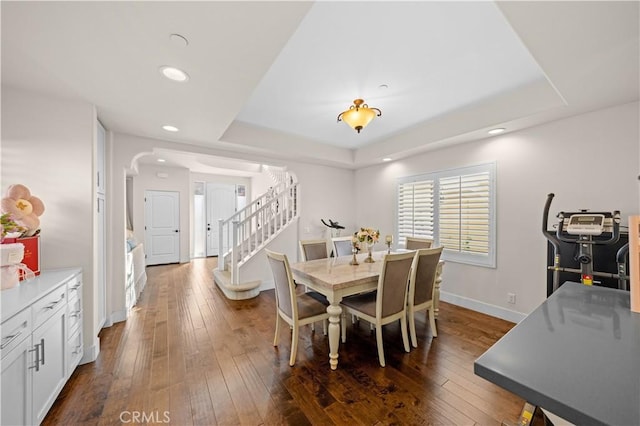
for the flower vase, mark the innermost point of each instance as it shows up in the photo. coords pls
(369, 258)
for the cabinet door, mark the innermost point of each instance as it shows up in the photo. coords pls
(49, 378)
(16, 385)
(101, 163)
(74, 351)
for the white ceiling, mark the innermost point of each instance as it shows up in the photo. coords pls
(268, 79)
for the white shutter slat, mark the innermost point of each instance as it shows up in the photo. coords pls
(415, 209)
(464, 212)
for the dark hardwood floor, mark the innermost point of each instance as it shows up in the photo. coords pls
(187, 355)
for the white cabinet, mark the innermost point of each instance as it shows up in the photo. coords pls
(41, 343)
(16, 384)
(74, 324)
(49, 375)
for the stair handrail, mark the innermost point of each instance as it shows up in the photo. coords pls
(249, 229)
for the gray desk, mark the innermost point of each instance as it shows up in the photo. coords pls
(577, 355)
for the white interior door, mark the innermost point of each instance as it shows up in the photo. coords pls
(221, 204)
(162, 227)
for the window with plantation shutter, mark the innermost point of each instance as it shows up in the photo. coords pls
(415, 210)
(455, 208)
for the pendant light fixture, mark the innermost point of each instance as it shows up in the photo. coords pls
(359, 115)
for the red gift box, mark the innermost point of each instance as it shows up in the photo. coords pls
(31, 257)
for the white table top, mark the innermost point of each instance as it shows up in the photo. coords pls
(335, 273)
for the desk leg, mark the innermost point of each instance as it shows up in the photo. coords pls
(436, 291)
(335, 312)
(526, 416)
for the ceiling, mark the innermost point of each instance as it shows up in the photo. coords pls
(268, 79)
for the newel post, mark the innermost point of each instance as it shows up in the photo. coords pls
(234, 253)
(221, 264)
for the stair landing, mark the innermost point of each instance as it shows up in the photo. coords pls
(235, 292)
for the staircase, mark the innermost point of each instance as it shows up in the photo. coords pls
(249, 230)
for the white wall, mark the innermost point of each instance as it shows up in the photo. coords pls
(325, 193)
(48, 145)
(259, 185)
(589, 161)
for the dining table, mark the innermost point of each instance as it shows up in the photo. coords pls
(338, 277)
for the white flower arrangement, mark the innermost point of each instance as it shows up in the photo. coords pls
(368, 235)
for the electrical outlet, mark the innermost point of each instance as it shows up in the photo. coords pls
(511, 298)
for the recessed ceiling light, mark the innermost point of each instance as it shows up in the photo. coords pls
(170, 128)
(174, 74)
(161, 160)
(179, 40)
(496, 131)
(386, 159)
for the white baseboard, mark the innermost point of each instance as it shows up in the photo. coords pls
(465, 302)
(107, 323)
(117, 316)
(485, 308)
(91, 353)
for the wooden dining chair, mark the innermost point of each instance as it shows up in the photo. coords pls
(313, 249)
(422, 289)
(415, 243)
(294, 309)
(342, 246)
(388, 303)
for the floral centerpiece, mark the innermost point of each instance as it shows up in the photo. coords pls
(369, 236)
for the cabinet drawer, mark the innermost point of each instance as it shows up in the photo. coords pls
(74, 351)
(74, 286)
(75, 315)
(44, 308)
(14, 330)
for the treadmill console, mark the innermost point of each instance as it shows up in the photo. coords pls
(585, 224)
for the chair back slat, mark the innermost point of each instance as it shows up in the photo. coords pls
(415, 243)
(425, 274)
(314, 250)
(342, 246)
(393, 283)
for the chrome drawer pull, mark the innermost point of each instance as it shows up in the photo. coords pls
(37, 351)
(10, 339)
(51, 306)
